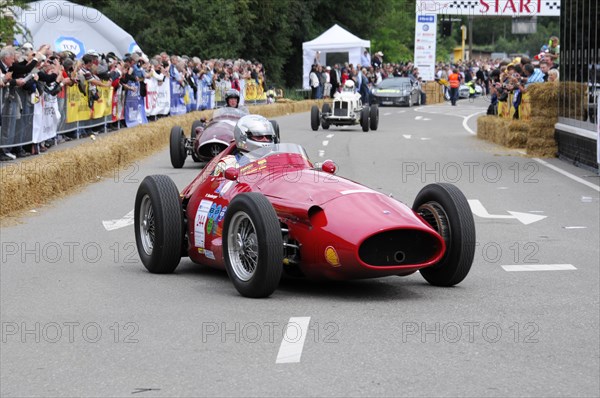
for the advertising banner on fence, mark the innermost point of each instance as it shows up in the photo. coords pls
(46, 117)
(158, 97)
(135, 110)
(103, 107)
(177, 102)
(425, 45)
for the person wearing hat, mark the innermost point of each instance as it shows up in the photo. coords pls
(377, 60)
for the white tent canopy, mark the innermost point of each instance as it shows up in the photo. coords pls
(335, 40)
(69, 26)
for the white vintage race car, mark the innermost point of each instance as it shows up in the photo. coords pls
(347, 110)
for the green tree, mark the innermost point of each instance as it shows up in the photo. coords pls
(8, 26)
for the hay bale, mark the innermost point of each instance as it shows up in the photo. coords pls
(541, 147)
(491, 128)
(518, 125)
(541, 128)
(543, 95)
(547, 113)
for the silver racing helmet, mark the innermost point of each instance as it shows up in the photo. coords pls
(252, 132)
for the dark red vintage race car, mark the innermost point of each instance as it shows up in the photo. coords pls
(277, 213)
(207, 140)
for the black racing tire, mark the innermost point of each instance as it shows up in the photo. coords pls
(196, 124)
(253, 245)
(445, 208)
(314, 117)
(177, 147)
(276, 129)
(326, 109)
(364, 118)
(374, 117)
(158, 222)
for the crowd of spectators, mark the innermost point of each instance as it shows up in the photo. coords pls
(494, 77)
(44, 70)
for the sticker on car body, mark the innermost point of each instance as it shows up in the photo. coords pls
(200, 221)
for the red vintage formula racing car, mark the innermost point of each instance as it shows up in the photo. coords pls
(275, 212)
(207, 139)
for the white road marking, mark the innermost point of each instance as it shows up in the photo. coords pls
(466, 120)
(536, 211)
(325, 143)
(127, 220)
(569, 175)
(525, 218)
(400, 111)
(539, 267)
(407, 136)
(425, 139)
(387, 113)
(321, 153)
(587, 199)
(418, 117)
(426, 119)
(575, 227)
(329, 135)
(290, 350)
(502, 187)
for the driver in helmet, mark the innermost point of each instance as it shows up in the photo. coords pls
(232, 98)
(349, 86)
(251, 132)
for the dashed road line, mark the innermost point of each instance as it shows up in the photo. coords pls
(292, 344)
(538, 267)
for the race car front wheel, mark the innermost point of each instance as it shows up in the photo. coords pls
(326, 110)
(314, 117)
(364, 119)
(253, 245)
(374, 117)
(445, 208)
(177, 147)
(158, 222)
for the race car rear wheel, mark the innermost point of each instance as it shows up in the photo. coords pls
(196, 124)
(445, 208)
(158, 222)
(374, 117)
(326, 110)
(314, 117)
(177, 147)
(253, 245)
(364, 118)
(276, 129)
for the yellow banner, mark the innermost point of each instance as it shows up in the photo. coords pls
(103, 107)
(255, 92)
(77, 104)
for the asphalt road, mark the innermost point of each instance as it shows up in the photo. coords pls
(82, 317)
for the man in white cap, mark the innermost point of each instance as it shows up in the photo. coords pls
(377, 60)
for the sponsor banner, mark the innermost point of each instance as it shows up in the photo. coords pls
(177, 102)
(77, 105)
(189, 99)
(46, 118)
(158, 97)
(488, 8)
(103, 107)
(425, 45)
(135, 110)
